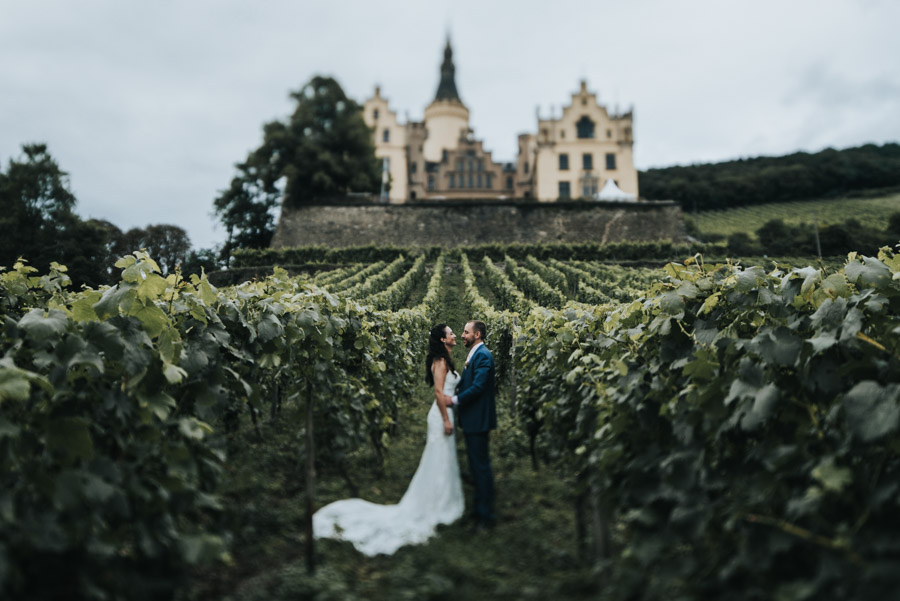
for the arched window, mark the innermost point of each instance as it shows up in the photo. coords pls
(585, 127)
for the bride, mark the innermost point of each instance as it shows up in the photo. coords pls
(435, 493)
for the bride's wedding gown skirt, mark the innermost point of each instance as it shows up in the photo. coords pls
(434, 497)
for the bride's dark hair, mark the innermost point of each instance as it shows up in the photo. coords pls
(437, 350)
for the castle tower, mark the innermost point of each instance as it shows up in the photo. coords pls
(447, 118)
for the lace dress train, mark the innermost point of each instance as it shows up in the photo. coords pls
(434, 497)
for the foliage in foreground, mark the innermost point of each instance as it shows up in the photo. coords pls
(741, 429)
(109, 462)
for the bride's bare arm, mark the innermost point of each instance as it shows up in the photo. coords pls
(439, 371)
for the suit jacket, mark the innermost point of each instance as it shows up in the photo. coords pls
(477, 410)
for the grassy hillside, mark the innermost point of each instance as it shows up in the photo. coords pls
(870, 211)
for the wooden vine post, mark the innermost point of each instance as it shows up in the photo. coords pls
(310, 482)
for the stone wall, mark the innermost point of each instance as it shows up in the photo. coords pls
(453, 223)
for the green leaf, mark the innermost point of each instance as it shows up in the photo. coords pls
(748, 279)
(152, 287)
(822, 342)
(83, 308)
(70, 436)
(207, 292)
(120, 296)
(836, 285)
(194, 428)
(159, 403)
(169, 344)
(14, 384)
(830, 314)
(872, 272)
(704, 365)
(872, 410)
(710, 303)
(41, 325)
(153, 318)
(269, 327)
(173, 373)
(672, 304)
(833, 478)
(764, 402)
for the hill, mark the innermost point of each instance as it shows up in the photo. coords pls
(764, 180)
(873, 211)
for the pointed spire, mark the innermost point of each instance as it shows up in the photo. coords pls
(447, 88)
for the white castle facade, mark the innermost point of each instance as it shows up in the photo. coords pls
(573, 156)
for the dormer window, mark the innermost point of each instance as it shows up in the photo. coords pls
(585, 127)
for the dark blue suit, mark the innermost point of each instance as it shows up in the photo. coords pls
(477, 416)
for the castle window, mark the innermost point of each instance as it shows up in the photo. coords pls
(564, 191)
(470, 181)
(375, 114)
(460, 165)
(413, 167)
(610, 161)
(471, 165)
(490, 180)
(444, 156)
(452, 180)
(609, 133)
(480, 182)
(480, 165)
(431, 182)
(563, 162)
(562, 133)
(587, 161)
(589, 186)
(386, 136)
(585, 127)
(509, 182)
(525, 167)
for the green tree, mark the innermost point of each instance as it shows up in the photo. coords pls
(38, 221)
(168, 245)
(323, 151)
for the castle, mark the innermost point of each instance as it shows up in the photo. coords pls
(573, 156)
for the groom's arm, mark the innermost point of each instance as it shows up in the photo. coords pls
(481, 365)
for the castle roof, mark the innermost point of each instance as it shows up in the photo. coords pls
(447, 88)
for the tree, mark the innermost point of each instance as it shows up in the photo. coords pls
(168, 245)
(323, 151)
(38, 221)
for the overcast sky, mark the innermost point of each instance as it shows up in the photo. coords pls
(148, 105)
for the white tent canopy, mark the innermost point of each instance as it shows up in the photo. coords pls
(611, 191)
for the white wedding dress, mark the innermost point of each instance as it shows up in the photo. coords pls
(434, 497)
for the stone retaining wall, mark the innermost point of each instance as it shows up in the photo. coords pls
(455, 223)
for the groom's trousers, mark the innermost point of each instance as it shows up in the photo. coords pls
(477, 449)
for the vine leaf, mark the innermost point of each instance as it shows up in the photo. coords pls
(872, 410)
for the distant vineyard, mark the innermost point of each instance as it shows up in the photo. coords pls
(736, 426)
(869, 211)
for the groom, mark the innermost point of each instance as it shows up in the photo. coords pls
(476, 413)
